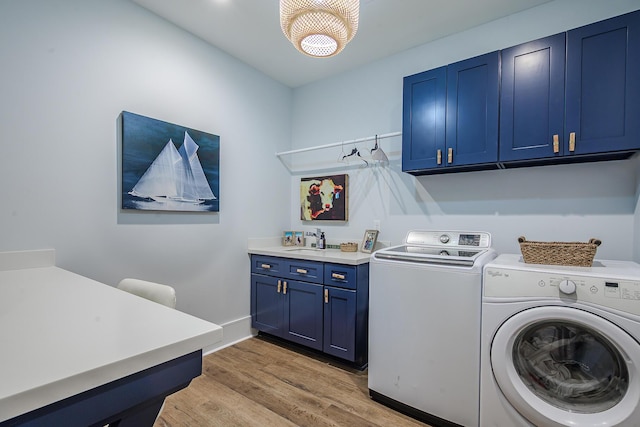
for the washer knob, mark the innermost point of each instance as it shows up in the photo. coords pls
(567, 287)
(444, 238)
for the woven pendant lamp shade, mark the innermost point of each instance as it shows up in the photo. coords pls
(319, 28)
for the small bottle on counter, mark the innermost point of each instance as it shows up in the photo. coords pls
(322, 243)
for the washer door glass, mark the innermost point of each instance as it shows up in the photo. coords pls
(561, 366)
(570, 366)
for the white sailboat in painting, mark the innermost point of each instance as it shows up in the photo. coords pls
(175, 176)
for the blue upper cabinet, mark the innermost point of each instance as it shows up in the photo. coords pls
(532, 100)
(570, 97)
(574, 95)
(450, 116)
(472, 111)
(423, 123)
(603, 86)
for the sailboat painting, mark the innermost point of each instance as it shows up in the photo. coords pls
(166, 167)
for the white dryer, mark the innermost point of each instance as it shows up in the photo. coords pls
(560, 345)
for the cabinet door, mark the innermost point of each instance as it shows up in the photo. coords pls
(340, 322)
(532, 99)
(423, 120)
(472, 111)
(303, 313)
(603, 88)
(266, 304)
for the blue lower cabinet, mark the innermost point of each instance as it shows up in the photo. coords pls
(323, 306)
(266, 304)
(303, 313)
(339, 325)
(287, 309)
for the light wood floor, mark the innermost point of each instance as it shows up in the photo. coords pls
(260, 383)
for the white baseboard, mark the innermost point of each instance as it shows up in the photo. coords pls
(233, 332)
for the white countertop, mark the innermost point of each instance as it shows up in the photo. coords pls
(268, 247)
(62, 334)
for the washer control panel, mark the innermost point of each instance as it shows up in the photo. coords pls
(449, 238)
(619, 293)
(567, 286)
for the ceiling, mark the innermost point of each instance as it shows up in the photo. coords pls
(250, 30)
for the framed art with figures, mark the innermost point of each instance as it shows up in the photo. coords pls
(324, 198)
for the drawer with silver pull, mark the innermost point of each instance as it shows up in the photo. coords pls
(340, 275)
(308, 271)
(269, 265)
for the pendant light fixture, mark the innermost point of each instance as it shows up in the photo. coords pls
(319, 28)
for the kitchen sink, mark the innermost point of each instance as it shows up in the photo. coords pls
(304, 250)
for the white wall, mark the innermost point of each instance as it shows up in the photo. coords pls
(69, 67)
(636, 220)
(566, 203)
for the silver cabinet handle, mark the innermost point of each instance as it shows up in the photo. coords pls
(265, 266)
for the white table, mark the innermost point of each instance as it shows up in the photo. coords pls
(74, 351)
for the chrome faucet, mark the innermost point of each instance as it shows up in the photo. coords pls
(318, 236)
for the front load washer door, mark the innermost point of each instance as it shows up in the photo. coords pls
(560, 366)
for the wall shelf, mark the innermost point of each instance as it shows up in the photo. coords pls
(335, 161)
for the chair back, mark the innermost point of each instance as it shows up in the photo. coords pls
(156, 292)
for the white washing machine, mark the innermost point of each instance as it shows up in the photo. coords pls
(560, 345)
(424, 325)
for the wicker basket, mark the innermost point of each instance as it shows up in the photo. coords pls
(348, 247)
(559, 253)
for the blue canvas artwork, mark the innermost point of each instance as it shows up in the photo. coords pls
(167, 167)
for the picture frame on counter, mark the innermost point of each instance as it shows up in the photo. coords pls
(369, 241)
(287, 238)
(293, 238)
